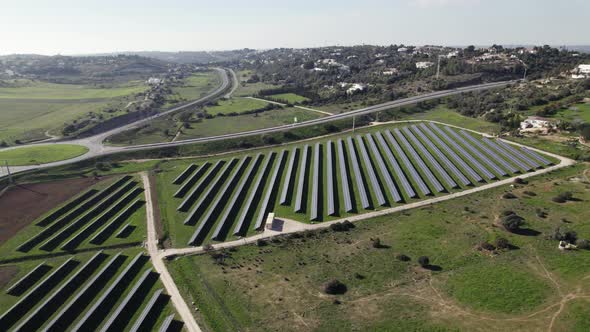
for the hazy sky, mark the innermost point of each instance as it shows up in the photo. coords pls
(91, 26)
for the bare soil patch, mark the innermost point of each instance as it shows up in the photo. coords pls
(6, 275)
(22, 204)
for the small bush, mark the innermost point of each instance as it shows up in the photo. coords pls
(376, 243)
(502, 243)
(261, 243)
(512, 222)
(529, 193)
(520, 181)
(563, 197)
(583, 244)
(344, 226)
(424, 261)
(509, 196)
(403, 258)
(335, 287)
(487, 246)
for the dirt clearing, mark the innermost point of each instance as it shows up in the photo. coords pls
(22, 204)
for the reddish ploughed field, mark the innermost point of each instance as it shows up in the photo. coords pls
(21, 205)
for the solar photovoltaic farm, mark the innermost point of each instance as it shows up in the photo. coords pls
(98, 291)
(227, 198)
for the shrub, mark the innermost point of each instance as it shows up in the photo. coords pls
(502, 243)
(335, 287)
(102, 166)
(403, 258)
(512, 222)
(520, 181)
(261, 243)
(424, 261)
(376, 243)
(563, 197)
(344, 226)
(487, 246)
(529, 193)
(509, 196)
(583, 244)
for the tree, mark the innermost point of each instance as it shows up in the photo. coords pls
(424, 261)
(585, 132)
(3, 144)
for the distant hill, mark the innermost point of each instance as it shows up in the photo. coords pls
(185, 57)
(66, 69)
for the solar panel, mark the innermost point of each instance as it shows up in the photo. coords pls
(392, 161)
(234, 198)
(315, 185)
(253, 193)
(452, 154)
(505, 153)
(287, 184)
(409, 166)
(205, 199)
(266, 199)
(219, 200)
(518, 154)
(536, 156)
(302, 178)
(344, 177)
(330, 179)
(385, 173)
(357, 173)
(194, 194)
(491, 153)
(476, 152)
(421, 164)
(489, 175)
(441, 156)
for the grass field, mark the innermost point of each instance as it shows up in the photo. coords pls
(33, 155)
(289, 97)
(212, 127)
(194, 87)
(579, 113)
(280, 286)
(32, 107)
(443, 114)
(235, 105)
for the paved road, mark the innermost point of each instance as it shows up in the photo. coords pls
(96, 148)
(152, 246)
(235, 83)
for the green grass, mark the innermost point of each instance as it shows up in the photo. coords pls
(194, 87)
(211, 127)
(33, 155)
(34, 107)
(443, 114)
(581, 115)
(279, 287)
(289, 97)
(235, 105)
(498, 287)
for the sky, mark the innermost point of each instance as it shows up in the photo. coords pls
(96, 26)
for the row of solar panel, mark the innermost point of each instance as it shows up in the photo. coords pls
(394, 166)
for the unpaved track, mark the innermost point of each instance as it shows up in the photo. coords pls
(152, 246)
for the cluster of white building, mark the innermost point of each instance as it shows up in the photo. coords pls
(581, 71)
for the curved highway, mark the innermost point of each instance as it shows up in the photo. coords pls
(96, 147)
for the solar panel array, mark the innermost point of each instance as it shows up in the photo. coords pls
(333, 178)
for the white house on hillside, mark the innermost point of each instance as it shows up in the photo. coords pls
(537, 122)
(581, 71)
(424, 64)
